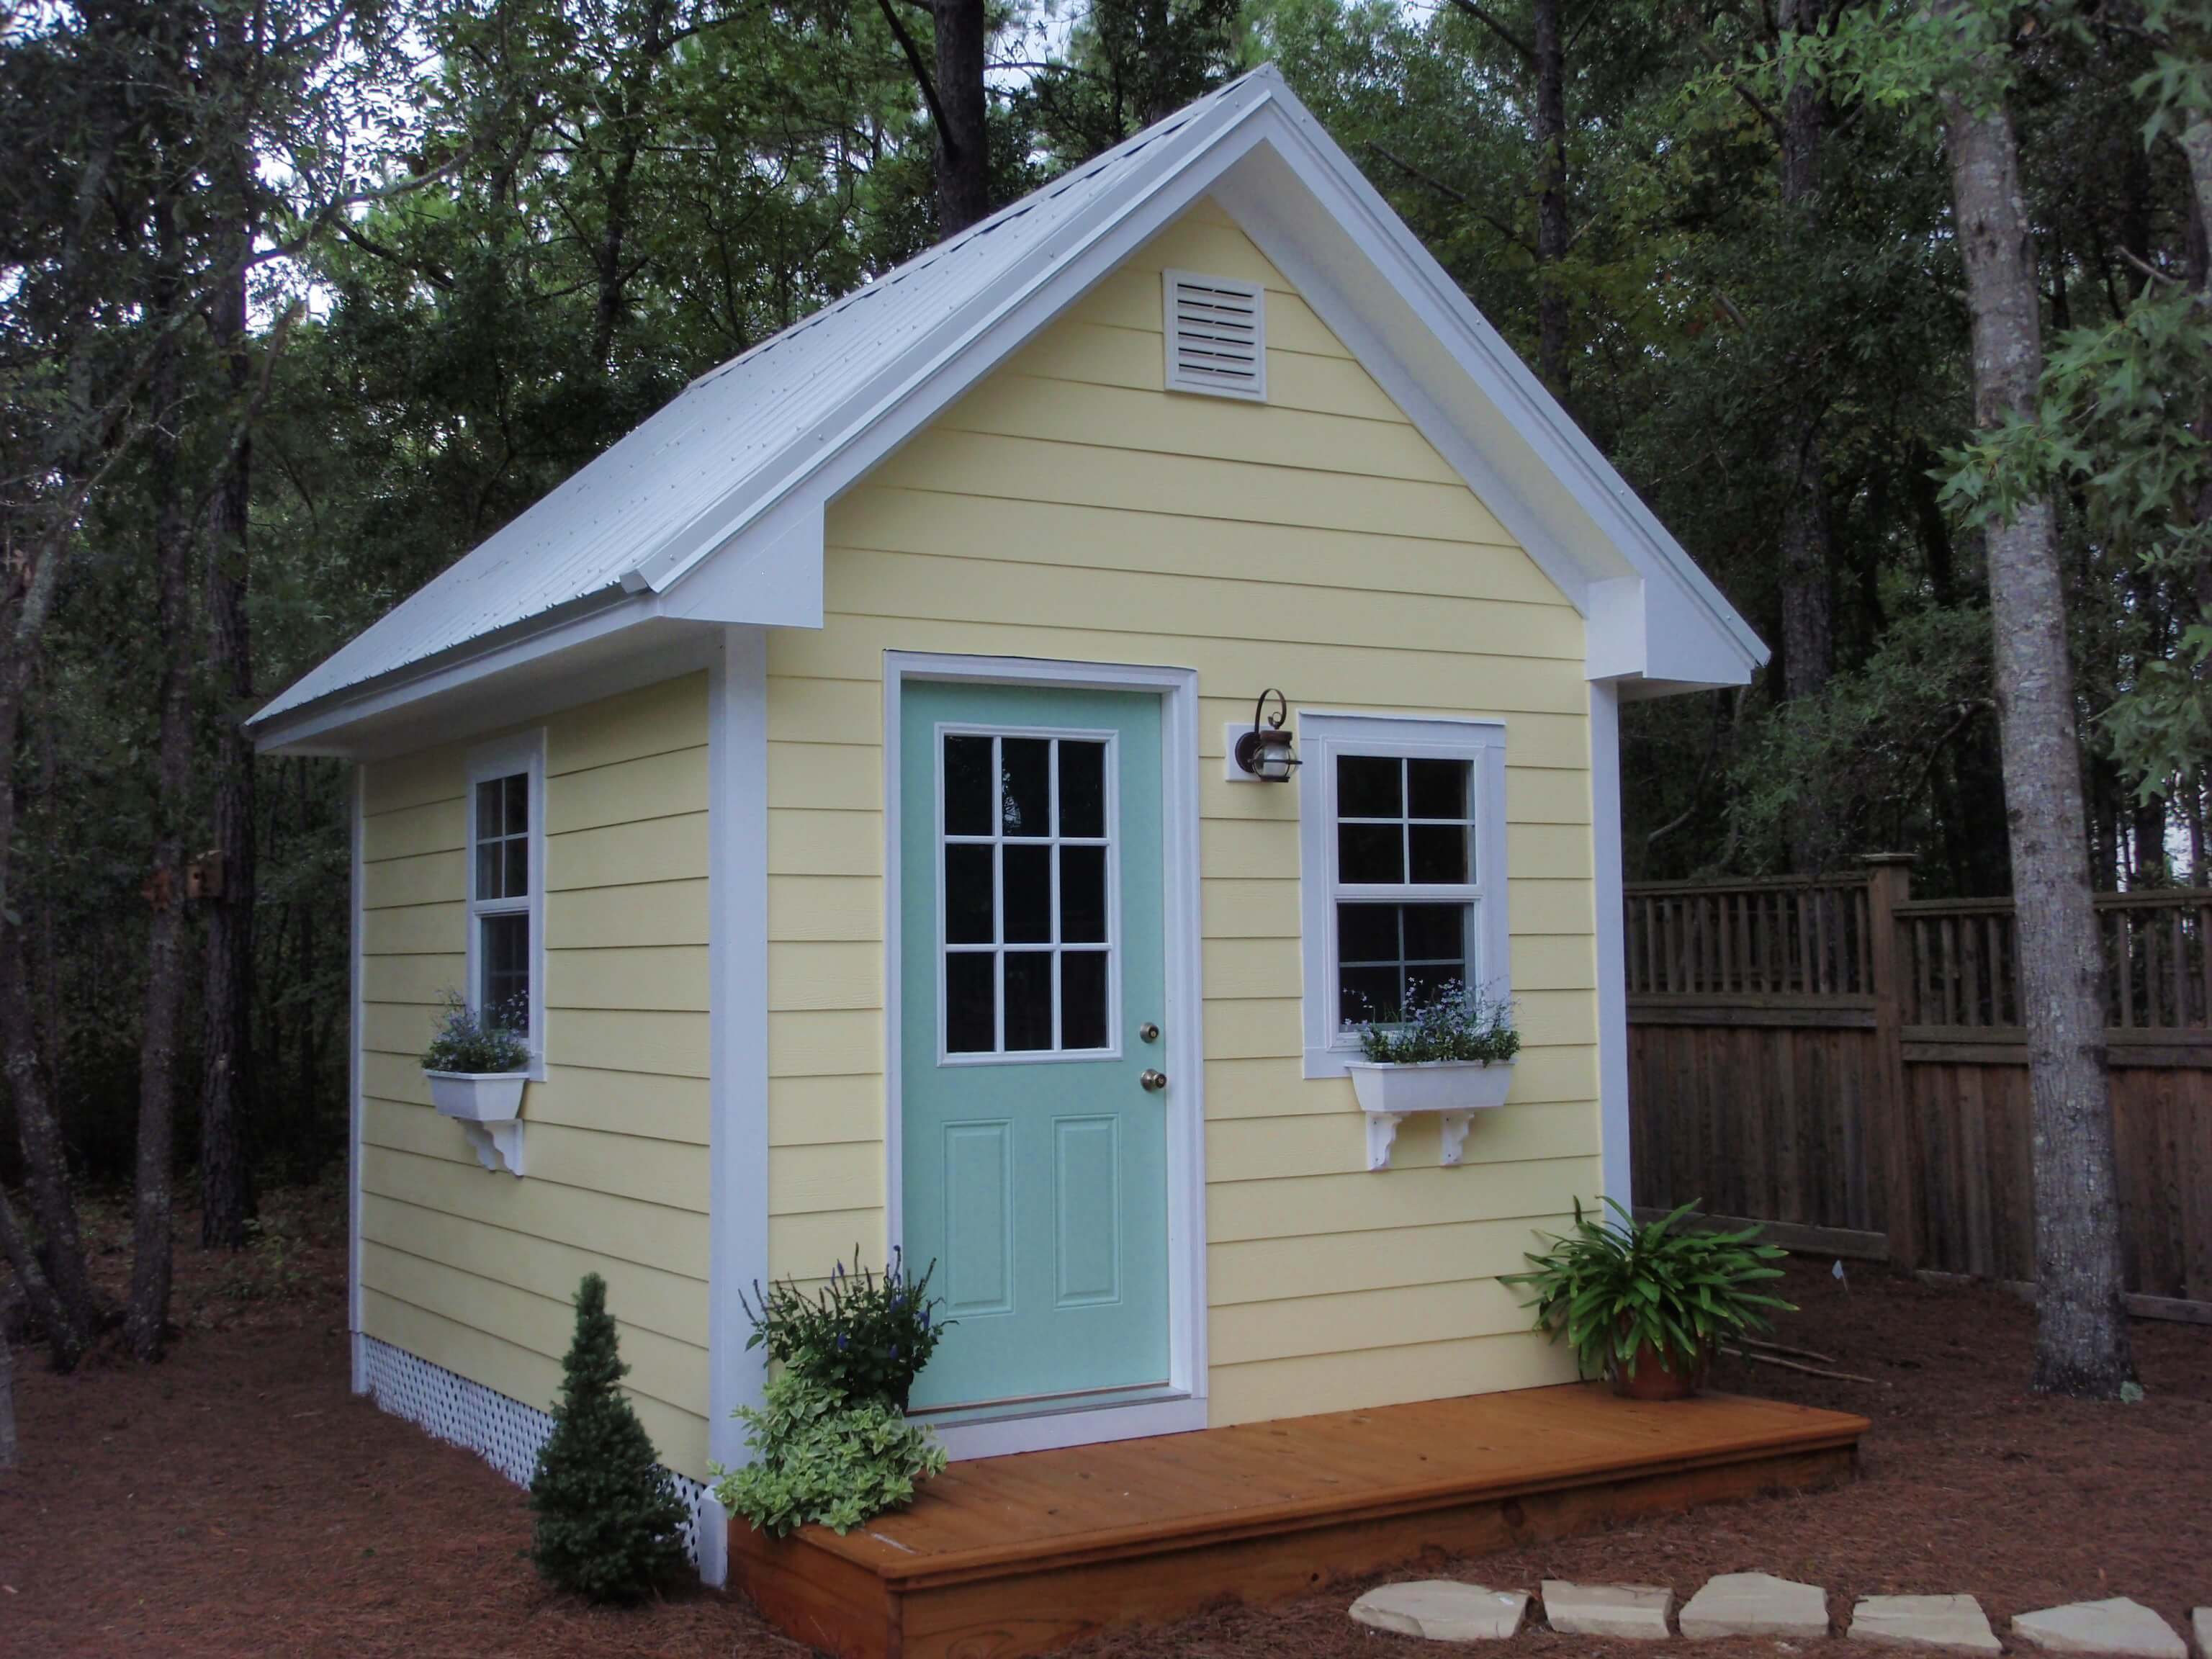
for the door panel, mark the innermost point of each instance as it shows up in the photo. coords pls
(1032, 960)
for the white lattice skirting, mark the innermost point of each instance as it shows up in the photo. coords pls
(506, 1433)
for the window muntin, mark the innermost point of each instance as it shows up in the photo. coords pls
(1401, 849)
(1025, 890)
(505, 856)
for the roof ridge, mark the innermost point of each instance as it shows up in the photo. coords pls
(1021, 205)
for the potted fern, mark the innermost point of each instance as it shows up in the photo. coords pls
(476, 1064)
(1645, 1305)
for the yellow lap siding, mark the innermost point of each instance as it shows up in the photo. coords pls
(1068, 507)
(474, 1271)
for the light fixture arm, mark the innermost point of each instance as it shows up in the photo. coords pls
(1265, 752)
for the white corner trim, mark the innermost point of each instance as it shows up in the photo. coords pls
(737, 1091)
(523, 752)
(1611, 945)
(1321, 735)
(356, 914)
(1185, 1002)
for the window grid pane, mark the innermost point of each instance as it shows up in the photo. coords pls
(1019, 883)
(1405, 824)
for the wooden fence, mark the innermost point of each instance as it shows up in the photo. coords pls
(1846, 1062)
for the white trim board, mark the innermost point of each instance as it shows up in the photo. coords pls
(1185, 1002)
(356, 906)
(737, 1091)
(1612, 941)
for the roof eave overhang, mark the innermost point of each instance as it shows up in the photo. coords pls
(1654, 624)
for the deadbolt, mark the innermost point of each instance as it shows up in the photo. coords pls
(1150, 1032)
(1154, 1081)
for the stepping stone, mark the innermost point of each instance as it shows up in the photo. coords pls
(1632, 1612)
(2201, 1622)
(2118, 1628)
(1923, 1621)
(1444, 1610)
(1755, 1604)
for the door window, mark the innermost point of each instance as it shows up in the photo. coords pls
(1025, 874)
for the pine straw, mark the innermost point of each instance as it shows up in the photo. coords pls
(237, 1500)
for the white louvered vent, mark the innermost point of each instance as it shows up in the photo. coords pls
(1217, 332)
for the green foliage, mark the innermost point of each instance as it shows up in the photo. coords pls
(468, 1042)
(863, 1335)
(1610, 1287)
(609, 1520)
(1450, 1023)
(821, 1456)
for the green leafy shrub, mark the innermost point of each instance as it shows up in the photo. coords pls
(823, 1456)
(469, 1042)
(1454, 1023)
(863, 1335)
(609, 1521)
(1610, 1287)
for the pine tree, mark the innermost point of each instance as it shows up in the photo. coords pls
(609, 1520)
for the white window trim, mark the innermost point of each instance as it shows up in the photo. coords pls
(1322, 736)
(524, 752)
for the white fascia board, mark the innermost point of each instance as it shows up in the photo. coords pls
(985, 330)
(1483, 408)
(615, 647)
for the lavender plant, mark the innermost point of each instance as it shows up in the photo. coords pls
(1453, 1022)
(469, 1042)
(863, 1335)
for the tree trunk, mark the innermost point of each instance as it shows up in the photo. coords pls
(7, 1404)
(145, 1321)
(227, 994)
(1809, 648)
(2081, 1331)
(1548, 50)
(73, 1317)
(964, 145)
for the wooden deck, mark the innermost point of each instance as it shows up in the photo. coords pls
(1014, 1555)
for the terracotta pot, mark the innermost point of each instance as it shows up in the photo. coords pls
(1653, 1381)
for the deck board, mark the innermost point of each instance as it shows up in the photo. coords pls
(1013, 1555)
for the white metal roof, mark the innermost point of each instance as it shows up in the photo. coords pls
(714, 467)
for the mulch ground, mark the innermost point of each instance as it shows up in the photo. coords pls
(237, 1500)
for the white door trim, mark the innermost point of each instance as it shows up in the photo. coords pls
(1186, 1096)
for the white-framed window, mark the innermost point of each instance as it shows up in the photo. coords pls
(506, 886)
(1401, 842)
(1028, 878)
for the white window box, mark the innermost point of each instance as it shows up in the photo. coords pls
(1453, 1090)
(488, 1105)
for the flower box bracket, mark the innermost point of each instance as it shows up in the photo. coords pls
(1451, 1090)
(488, 1105)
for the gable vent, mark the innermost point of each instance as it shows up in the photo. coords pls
(1217, 333)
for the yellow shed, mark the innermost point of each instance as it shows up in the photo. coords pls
(954, 778)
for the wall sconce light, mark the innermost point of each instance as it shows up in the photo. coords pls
(1263, 754)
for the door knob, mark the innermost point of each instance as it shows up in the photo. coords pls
(1153, 1081)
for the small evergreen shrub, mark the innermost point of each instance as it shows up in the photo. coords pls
(609, 1520)
(822, 1456)
(468, 1042)
(1454, 1023)
(863, 1335)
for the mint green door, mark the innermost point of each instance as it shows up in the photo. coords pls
(1032, 1008)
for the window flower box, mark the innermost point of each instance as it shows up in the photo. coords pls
(1452, 1090)
(477, 1066)
(478, 1096)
